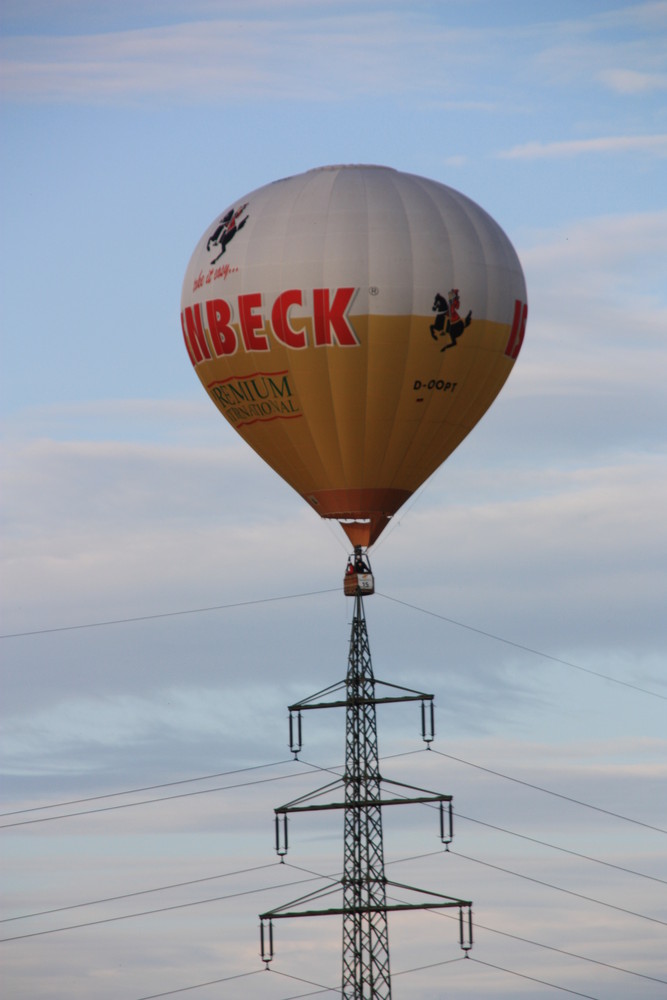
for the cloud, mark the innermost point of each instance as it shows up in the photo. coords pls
(380, 50)
(265, 56)
(629, 81)
(651, 14)
(653, 144)
(85, 733)
(609, 272)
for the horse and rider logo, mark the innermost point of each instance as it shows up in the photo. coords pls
(226, 230)
(448, 323)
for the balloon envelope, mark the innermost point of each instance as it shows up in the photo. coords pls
(353, 324)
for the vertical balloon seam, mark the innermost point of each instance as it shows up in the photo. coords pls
(510, 264)
(283, 448)
(431, 432)
(304, 180)
(394, 182)
(344, 427)
(366, 420)
(400, 184)
(409, 443)
(461, 205)
(309, 179)
(477, 223)
(328, 354)
(300, 471)
(285, 451)
(471, 213)
(357, 176)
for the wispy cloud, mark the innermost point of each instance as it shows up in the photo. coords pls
(653, 144)
(267, 56)
(629, 81)
(379, 49)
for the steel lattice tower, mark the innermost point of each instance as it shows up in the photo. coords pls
(364, 909)
(365, 934)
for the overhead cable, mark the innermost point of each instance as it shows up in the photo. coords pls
(315, 876)
(143, 802)
(198, 986)
(563, 850)
(493, 930)
(559, 888)
(331, 590)
(525, 649)
(562, 951)
(159, 909)
(166, 614)
(548, 791)
(533, 979)
(138, 892)
(145, 788)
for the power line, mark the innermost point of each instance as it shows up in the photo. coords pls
(310, 993)
(184, 781)
(402, 972)
(521, 975)
(331, 590)
(512, 833)
(561, 951)
(564, 850)
(166, 614)
(569, 892)
(547, 791)
(550, 947)
(432, 965)
(143, 802)
(336, 989)
(533, 979)
(308, 871)
(146, 788)
(309, 982)
(316, 876)
(167, 798)
(198, 986)
(526, 649)
(522, 836)
(330, 770)
(138, 892)
(493, 930)
(159, 909)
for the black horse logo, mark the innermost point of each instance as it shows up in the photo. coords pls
(226, 230)
(448, 323)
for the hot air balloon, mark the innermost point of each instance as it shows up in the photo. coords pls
(353, 324)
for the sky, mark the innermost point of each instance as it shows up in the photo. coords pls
(165, 596)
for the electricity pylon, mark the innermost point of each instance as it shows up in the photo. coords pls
(365, 972)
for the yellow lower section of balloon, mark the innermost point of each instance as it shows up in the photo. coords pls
(356, 429)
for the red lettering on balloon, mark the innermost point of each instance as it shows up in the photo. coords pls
(282, 328)
(187, 340)
(219, 337)
(518, 330)
(193, 333)
(252, 321)
(223, 336)
(330, 318)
